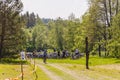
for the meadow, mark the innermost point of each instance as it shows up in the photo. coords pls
(64, 69)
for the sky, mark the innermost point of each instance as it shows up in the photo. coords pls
(56, 8)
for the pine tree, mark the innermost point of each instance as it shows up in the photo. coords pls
(10, 26)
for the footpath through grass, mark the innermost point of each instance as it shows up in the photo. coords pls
(100, 68)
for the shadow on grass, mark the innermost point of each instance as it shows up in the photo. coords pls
(12, 61)
(117, 62)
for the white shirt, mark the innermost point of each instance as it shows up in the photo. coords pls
(76, 51)
(22, 53)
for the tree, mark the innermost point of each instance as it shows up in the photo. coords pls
(114, 43)
(71, 17)
(30, 19)
(59, 33)
(87, 53)
(10, 26)
(102, 13)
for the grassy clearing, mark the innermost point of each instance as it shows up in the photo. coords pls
(96, 72)
(94, 60)
(61, 74)
(99, 68)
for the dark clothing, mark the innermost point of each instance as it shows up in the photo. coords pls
(44, 57)
(64, 52)
(45, 54)
(77, 53)
(58, 53)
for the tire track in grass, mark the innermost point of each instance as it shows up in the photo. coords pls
(49, 73)
(62, 74)
(56, 71)
(71, 72)
(110, 66)
(80, 74)
(91, 73)
(41, 74)
(95, 75)
(105, 74)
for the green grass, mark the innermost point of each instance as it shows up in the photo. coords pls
(93, 60)
(13, 71)
(10, 68)
(60, 73)
(41, 75)
(108, 72)
(12, 61)
(95, 72)
(9, 71)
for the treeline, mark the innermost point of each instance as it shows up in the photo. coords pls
(32, 19)
(101, 24)
(59, 34)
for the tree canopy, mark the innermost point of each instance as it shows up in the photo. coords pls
(101, 24)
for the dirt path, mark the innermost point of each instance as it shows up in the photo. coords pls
(49, 73)
(79, 74)
(112, 67)
(70, 72)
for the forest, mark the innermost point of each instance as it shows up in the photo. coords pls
(101, 24)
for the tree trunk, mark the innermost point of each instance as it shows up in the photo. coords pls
(105, 38)
(2, 36)
(117, 6)
(106, 13)
(110, 11)
(99, 49)
(87, 53)
(107, 25)
(105, 48)
(1, 45)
